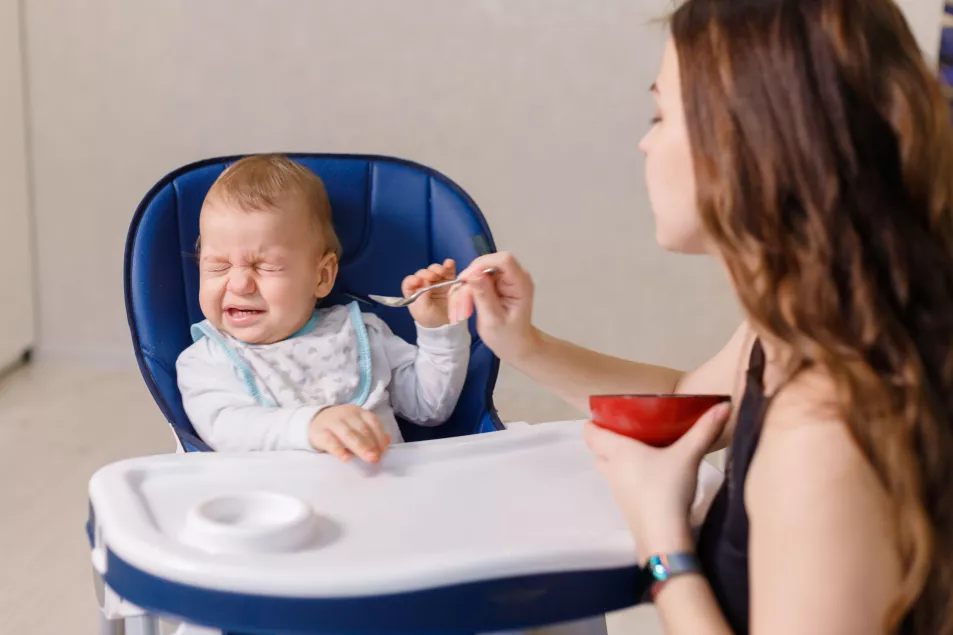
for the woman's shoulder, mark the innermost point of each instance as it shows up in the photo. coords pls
(805, 422)
(810, 397)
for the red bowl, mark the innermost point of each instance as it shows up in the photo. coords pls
(657, 420)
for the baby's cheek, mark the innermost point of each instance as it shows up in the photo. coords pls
(210, 295)
(281, 292)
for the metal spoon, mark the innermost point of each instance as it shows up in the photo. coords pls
(396, 303)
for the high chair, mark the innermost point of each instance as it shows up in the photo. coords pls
(392, 216)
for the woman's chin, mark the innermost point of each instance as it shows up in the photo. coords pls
(694, 245)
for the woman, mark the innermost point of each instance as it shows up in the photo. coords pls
(816, 162)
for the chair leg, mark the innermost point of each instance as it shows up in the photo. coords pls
(111, 627)
(142, 625)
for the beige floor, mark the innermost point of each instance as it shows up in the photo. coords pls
(57, 426)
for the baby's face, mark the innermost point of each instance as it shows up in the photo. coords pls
(261, 271)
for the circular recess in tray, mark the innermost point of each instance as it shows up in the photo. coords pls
(253, 522)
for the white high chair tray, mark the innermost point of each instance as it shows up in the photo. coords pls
(501, 505)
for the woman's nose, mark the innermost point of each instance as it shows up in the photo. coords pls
(241, 281)
(644, 143)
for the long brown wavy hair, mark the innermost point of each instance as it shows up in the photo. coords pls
(824, 160)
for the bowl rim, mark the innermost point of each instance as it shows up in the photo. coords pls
(662, 396)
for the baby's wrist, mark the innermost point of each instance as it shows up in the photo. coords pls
(431, 324)
(445, 338)
(312, 430)
(445, 329)
(317, 421)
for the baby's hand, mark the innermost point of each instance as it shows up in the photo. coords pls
(347, 431)
(431, 310)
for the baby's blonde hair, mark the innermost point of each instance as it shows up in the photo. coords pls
(269, 181)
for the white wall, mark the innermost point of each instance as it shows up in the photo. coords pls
(924, 16)
(16, 277)
(534, 106)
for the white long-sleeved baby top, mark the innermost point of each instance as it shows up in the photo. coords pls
(243, 396)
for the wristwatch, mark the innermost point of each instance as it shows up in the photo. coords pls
(663, 567)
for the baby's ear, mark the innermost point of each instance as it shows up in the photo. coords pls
(196, 255)
(327, 275)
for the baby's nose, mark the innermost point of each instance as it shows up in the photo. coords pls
(240, 280)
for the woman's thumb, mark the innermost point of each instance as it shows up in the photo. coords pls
(483, 290)
(699, 439)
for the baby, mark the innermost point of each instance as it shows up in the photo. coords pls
(269, 372)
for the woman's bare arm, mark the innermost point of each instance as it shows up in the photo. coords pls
(574, 373)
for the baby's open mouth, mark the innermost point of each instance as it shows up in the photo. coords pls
(242, 315)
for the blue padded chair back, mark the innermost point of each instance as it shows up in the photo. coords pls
(393, 217)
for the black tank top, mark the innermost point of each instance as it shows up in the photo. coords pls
(723, 547)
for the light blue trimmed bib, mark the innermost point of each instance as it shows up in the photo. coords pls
(205, 329)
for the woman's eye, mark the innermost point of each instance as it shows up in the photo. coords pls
(268, 268)
(216, 267)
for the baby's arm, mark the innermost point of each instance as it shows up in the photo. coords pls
(223, 412)
(427, 378)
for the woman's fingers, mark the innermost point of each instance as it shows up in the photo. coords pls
(607, 445)
(509, 271)
(502, 301)
(485, 297)
(698, 440)
(510, 285)
(461, 304)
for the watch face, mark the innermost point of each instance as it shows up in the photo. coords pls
(664, 566)
(659, 569)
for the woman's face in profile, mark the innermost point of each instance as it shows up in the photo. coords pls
(669, 172)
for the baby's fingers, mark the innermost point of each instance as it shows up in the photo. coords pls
(446, 271)
(410, 285)
(333, 446)
(356, 438)
(430, 276)
(422, 278)
(376, 428)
